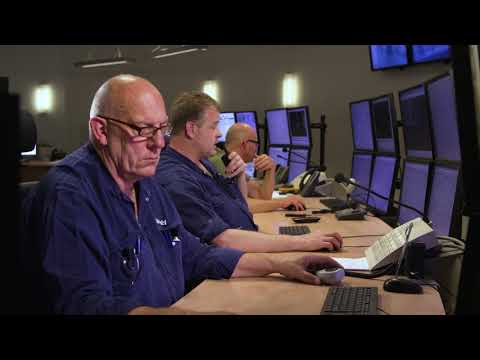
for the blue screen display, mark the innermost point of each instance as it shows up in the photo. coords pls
(414, 190)
(280, 155)
(427, 53)
(361, 125)
(277, 125)
(382, 114)
(247, 117)
(382, 182)
(388, 56)
(226, 121)
(361, 170)
(299, 126)
(297, 163)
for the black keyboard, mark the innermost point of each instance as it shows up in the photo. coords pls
(294, 230)
(335, 204)
(351, 301)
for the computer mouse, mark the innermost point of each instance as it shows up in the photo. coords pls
(292, 208)
(402, 285)
(331, 276)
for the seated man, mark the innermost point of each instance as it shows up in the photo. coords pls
(213, 207)
(242, 139)
(105, 239)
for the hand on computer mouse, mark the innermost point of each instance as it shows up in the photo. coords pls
(293, 203)
(320, 241)
(304, 268)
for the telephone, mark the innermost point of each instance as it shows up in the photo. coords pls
(281, 174)
(308, 183)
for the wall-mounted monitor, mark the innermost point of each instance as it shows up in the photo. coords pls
(277, 127)
(413, 190)
(429, 53)
(299, 123)
(388, 56)
(383, 177)
(279, 154)
(227, 119)
(361, 120)
(297, 162)
(361, 172)
(441, 101)
(385, 124)
(442, 198)
(416, 122)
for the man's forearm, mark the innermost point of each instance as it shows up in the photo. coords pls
(266, 189)
(255, 265)
(242, 185)
(258, 206)
(251, 241)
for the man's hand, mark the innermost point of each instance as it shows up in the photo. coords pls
(319, 241)
(303, 268)
(264, 163)
(236, 166)
(294, 200)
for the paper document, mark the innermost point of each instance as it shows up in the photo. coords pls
(276, 195)
(353, 264)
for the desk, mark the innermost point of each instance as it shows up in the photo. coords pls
(34, 170)
(275, 295)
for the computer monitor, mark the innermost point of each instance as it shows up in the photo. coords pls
(361, 120)
(277, 126)
(388, 56)
(227, 119)
(247, 117)
(442, 198)
(384, 124)
(361, 172)
(250, 169)
(297, 162)
(441, 100)
(414, 190)
(279, 154)
(299, 123)
(416, 122)
(429, 53)
(383, 176)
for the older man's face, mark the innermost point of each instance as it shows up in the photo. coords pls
(137, 156)
(208, 132)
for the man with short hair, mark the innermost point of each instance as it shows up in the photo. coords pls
(104, 239)
(213, 207)
(242, 139)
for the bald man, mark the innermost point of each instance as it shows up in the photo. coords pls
(105, 239)
(242, 139)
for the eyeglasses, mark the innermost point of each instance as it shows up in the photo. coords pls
(146, 131)
(254, 142)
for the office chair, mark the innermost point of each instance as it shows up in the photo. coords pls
(28, 132)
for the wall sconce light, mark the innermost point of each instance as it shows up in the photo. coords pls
(118, 59)
(210, 88)
(290, 90)
(43, 99)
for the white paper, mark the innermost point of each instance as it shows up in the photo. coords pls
(276, 195)
(353, 264)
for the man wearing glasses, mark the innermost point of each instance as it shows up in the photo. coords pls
(242, 140)
(214, 207)
(105, 239)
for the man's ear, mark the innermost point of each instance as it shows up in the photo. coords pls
(190, 130)
(98, 128)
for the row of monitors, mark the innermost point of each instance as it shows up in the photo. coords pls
(431, 188)
(429, 121)
(296, 159)
(393, 56)
(227, 119)
(288, 126)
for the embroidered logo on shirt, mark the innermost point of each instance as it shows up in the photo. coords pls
(175, 240)
(161, 222)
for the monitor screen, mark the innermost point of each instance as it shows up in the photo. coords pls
(250, 169)
(416, 124)
(279, 155)
(442, 198)
(441, 99)
(277, 126)
(247, 117)
(388, 56)
(361, 171)
(298, 163)
(383, 114)
(382, 182)
(299, 126)
(227, 119)
(427, 53)
(414, 190)
(361, 125)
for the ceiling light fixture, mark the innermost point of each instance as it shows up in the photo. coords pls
(182, 49)
(118, 59)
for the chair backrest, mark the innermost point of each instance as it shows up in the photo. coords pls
(28, 131)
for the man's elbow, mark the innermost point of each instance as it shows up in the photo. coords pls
(221, 240)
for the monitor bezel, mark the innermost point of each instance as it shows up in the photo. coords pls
(393, 115)
(371, 125)
(400, 67)
(309, 127)
(446, 61)
(429, 121)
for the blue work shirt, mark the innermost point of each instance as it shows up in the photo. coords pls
(208, 205)
(95, 257)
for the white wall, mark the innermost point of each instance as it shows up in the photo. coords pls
(249, 78)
